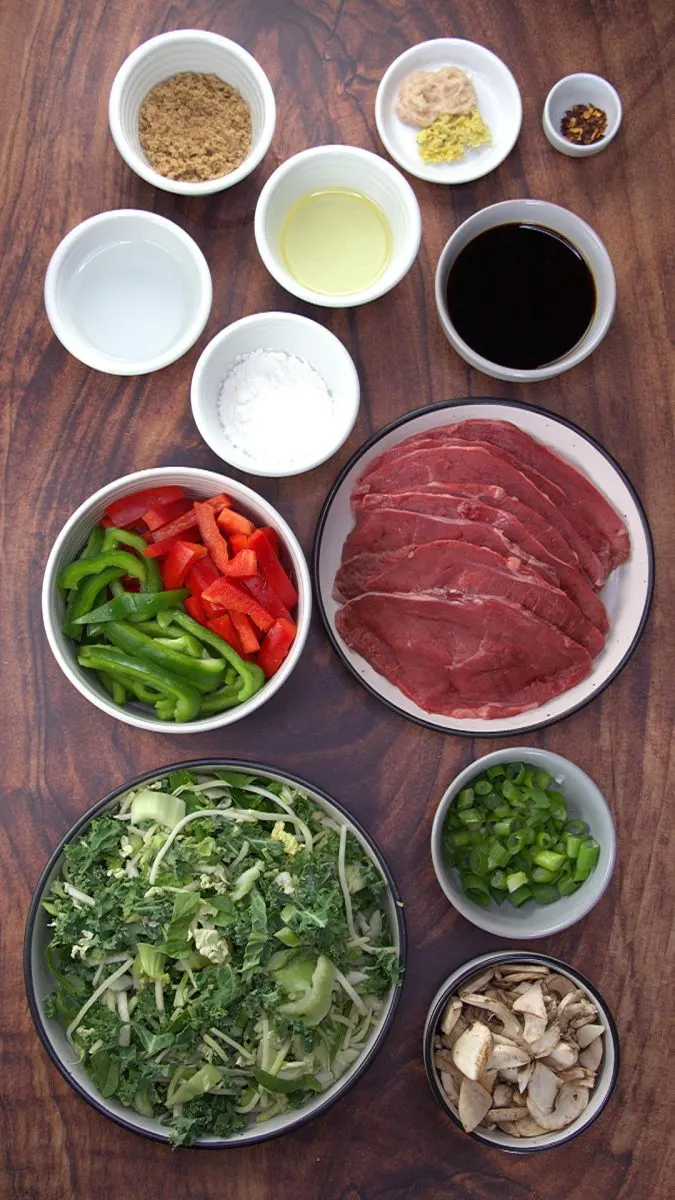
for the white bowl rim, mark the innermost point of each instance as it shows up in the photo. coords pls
(424, 171)
(582, 349)
(480, 917)
(557, 140)
(240, 462)
(81, 349)
(440, 406)
(35, 1005)
(325, 299)
(495, 958)
(150, 476)
(142, 168)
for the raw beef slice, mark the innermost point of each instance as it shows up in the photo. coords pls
(463, 657)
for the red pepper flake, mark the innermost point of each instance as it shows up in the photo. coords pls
(584, 124)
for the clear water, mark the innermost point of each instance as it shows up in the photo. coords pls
(130, 300)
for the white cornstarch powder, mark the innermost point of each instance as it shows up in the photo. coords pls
(276, 409)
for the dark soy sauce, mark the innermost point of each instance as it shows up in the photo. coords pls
(520, 295)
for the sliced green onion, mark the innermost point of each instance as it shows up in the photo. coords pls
(544, 893)
(520, 896)
(496, 772)
(587, 859)
(515, 880)
(470, 816)
(476, 889)
(577, 828)
(572, 845)
(465, 799)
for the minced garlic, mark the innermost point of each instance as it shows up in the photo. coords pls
(450, 136)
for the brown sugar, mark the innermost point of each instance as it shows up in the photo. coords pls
(194, 127)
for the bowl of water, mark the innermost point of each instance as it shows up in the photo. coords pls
(127, 292)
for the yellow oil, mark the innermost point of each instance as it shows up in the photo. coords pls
(336, 241)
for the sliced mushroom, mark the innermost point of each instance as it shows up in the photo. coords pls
(505, 1114)
(510, 1023)
(474, 1104)
(499, 1039)
(527, 1127)
(571, 1101)
(502, 1058)
(534, 1028)
(443, 1060)
(531, 1001)
(449, 1039)
(577, 1075)
(547, 1042)
(509, 1074)
(588, 1034)
(518, 1099)
(501, 1096)
(516, 972)
(488, 1080)
(478, 982)
(450, 1015)
(511, 1129)
(524, 1076)
(591, 1057)
(543, 1087)
(450, 1086)
(471, 1051)
(587, 1019)
(560, 984)
(562, 1056)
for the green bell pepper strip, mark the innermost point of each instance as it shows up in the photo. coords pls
(115, 689)
(75, 572)
(251, 676)
(185, 698)
(94, 542)
(113, 537)
(205, 674)
(133, 604)
(216, 702)
(184, 644)
(84, 598)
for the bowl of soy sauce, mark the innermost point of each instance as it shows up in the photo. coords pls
(525, 290)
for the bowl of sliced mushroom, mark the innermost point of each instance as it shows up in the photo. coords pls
(520, 1050)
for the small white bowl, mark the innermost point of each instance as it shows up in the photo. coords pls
(571, 227)
(585, 801)
(580, 89)
(294, 335)
(350, 168)
(499, 104)
(72, 538)
(189, 50)
(127, 292)
(608, 1071)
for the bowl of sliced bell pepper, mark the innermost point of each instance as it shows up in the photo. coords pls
(176, 600)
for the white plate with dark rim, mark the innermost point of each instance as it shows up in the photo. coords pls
(627, 595)
(499, 104)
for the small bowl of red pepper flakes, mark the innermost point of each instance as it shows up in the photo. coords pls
(176, 600)
(582, 115)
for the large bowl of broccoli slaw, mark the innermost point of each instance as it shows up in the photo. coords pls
(214, 953)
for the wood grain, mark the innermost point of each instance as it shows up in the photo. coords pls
(66, 430)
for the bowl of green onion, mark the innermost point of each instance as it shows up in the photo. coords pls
(523, 843)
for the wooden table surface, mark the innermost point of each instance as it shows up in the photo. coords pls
(67, 430)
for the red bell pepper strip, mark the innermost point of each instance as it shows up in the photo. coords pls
(272, 537)
(201, 576)
(107, 523)
(195, 609)
(235, 598)
(271, 569)
(129, 509)
(180, 559)
(276, 644)
(161, 514)
(159, 549)
(176, 528)
(265, 595)
(247, 634)
(244, 565)
(211, 535)
(225, 629)
(238, 541)
(233, 522)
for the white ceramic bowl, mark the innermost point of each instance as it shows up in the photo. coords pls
(585, 801)
(607, 1074)
(570, 226)
(499, 104)
(39, 981)
(127, 292)
(73, 537)
(282, 332)
(189, 50)
(580, 89)
(338, 167)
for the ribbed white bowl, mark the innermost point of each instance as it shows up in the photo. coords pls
(339, 167)
(189, 50)
(72, 538)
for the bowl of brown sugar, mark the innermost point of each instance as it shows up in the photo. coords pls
(191, 112)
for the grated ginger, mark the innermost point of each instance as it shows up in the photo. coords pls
(449, 137)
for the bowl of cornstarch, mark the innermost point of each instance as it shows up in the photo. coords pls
(275, 394)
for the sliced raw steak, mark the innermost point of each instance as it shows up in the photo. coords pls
(464, 656)
(381, 529)
(443, 568)
(466, 462)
